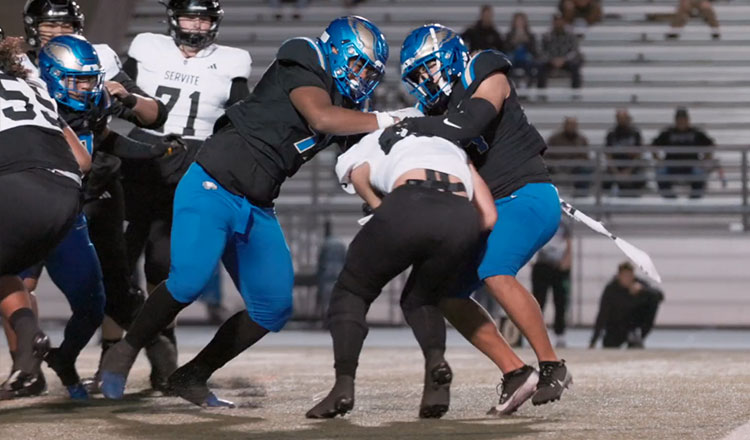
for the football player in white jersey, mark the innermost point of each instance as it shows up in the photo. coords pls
(197, 80)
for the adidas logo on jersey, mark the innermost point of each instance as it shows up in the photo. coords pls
(213, 66)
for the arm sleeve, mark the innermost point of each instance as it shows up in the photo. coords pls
(130, 67)
(238, 91)
(128, 148)
(461, 127)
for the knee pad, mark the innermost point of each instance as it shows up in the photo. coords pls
(347, 307)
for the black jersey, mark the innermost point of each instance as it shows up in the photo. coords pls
(508, 154)
(30, 129)
(277, 136)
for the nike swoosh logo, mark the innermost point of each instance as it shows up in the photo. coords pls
(451, 124)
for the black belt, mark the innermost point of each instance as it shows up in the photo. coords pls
(438, 180)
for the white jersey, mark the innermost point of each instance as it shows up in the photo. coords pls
(194, 90)
(412, 152)
(109, 60)
(25, 103)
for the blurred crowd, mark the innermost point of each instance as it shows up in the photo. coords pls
(686, 159)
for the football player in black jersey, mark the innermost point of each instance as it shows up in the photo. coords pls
(41, 161)
(44, 20)
(223, 207)
(474, 104)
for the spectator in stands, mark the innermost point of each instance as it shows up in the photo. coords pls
(629, 177)
(686, 8)
(568, 163)
(483, 34)
(687, 167)
(299, 5)
(588, 10)
(627, 310)
(560, 51)
(552, 270)
(520, 46)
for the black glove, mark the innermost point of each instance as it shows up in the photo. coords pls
(175, 162)
(395, 133)
(170, 144)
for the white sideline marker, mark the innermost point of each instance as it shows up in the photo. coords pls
(637, 256)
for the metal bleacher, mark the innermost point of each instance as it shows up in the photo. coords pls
(628, 64)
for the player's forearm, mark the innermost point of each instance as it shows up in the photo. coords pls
(360, 178)
(147, 110)
(459, 127)
(340, 121)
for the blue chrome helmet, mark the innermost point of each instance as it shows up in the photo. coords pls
(351, 44)
(437, 49)
(64, 61)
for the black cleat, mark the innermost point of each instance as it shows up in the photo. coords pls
(554, 378)
(28, 384)
(183, 383)
(515, 389)
(436, 393)
(338, 402)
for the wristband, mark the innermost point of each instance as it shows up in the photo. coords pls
(384, 120)
(129, 101)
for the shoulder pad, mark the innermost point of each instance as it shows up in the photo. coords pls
(146, 45)
(302, 51)
(109, 60)
(484, 63)
(239, 62)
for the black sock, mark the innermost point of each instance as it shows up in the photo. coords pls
(24, 323)
(233, 337)
(158, 312)
(428, 325)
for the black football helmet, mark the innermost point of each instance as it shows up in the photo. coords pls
(193, 8)
(39, 11)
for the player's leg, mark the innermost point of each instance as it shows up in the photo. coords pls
(203, 221)
(29, 277)
(382, 249)
(162, 351)
(105, 216)
(257, 248)
(44, 207)
(526, 221)
(451, 242)
(75, 270)
(560, 297)
(540, 283)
